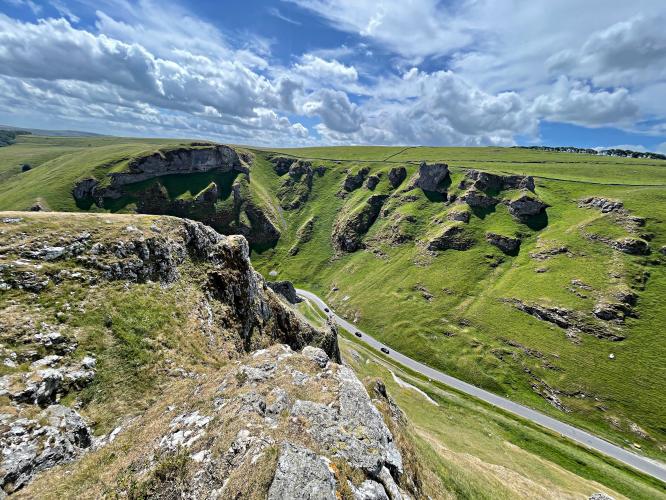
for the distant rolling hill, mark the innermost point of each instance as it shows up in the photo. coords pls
(51, 133)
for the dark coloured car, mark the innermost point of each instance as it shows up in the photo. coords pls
(326, 309)
(384, 350)
(358, 334)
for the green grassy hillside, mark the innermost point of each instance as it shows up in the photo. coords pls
(456, 310)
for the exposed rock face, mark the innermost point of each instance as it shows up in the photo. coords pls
(396, 176)
(57, 435)
(452, 237)
(349, 228)
(602, 204)
(485, 181)
(248, 315)
(371, 182)
(506, 244)
(85, 188)
(573, 322)
(180, 161)
(285, 289)
(632, 246)
(432, 177)
(295, 190)
(354, 181)
(478, 199)
(526, 206)
(301, 474)
(281, 164)
(458, 216)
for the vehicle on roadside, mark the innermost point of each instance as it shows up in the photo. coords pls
(326, 310)
(358, 334)
(384, 350)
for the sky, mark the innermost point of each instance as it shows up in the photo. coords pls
(334, 72)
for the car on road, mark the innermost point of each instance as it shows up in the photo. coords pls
(384, 350)
(358, 334)
(326, 309)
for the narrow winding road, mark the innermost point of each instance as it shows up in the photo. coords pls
(646, 465)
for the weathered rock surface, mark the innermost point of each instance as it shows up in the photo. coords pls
(452, 236)
(353, 181)
(603, 204)
(485, 181)
(477, 199)
(458, 216)
(396, 176)
(350, 228)
(371, 182)
(296, 188)
(506, 244)
(526, 206)
(281, 164)
(57, 435)
(432, 177)
(185, 160)
(574, 322)
(631, 245)
(285, 289)
(301, 474)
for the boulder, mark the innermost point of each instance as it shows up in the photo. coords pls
(85, 189)
(506, 244)
(317, 355)
(396, 176)
(25, 167)
(432, 177)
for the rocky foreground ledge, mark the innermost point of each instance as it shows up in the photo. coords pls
(144, 357)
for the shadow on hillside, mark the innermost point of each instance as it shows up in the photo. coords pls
(537, 222)
(483, 212)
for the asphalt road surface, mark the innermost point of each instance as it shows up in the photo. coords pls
(646, 465)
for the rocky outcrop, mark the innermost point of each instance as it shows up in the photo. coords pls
(285, 289)
(458, 215)
(506, 244)
(396, 176)
(295, 190)
(301, 473)
(631, 245)
(525, 206)
(350, 227)
(603, 204)
(485, 181)
(371, 182)
(453, 237)
(185, 160)
(353, 181)
(281, 164)
(432, 177)
(478, 199)
(573, 322)
(56, 435)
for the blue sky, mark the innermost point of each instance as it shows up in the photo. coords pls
(311, 72)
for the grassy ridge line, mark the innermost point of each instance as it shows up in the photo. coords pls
(454, 167)
(542, 447)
